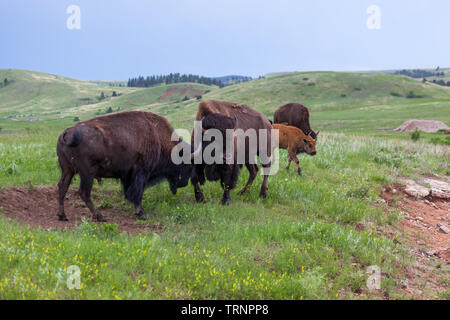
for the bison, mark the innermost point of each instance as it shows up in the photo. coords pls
(295, 141)
(239, 118)
(134, 147)
(297, 115)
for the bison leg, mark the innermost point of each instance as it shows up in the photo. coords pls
(134, 187)
(289, 163)
(264, 187)
(140, 212)
(293, 157)
(198, 177)
(85, 194)
(229, 177)
(226, 199)
(253, 171)
(199, 197)
(63, 186)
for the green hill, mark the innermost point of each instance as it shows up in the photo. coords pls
(30, 92)
(337, 100)
(34, 94)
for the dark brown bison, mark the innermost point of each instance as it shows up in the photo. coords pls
(296, 115)
(295, 141)
(223, 115)
(134, 147)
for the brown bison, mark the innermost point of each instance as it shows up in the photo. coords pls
(134, 147)
(223, 115)
(297, 115)
(295, 141)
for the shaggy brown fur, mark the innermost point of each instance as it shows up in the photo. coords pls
(294, 114)
(224, 115)
(295, 141)
(134, 147)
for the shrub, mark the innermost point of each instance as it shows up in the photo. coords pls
(412, 95)
(360, 192)
(357, 89)
(415, 135)
(76, 119)
(395, 94)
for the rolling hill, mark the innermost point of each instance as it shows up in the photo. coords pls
(30, 92)
(35, 94)
(337, 100)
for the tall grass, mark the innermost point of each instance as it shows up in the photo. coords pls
(298, 243)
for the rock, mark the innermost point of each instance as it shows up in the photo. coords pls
(443, 228)
(416, 190)
(404, 284)
(439, 189)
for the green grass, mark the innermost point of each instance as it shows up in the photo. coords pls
(301, 242)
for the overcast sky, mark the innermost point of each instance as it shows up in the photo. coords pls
(119, 39)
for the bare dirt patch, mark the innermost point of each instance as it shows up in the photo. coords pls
(423, 215)
(169, 92)
(424, 219)
(422, 125)
(37, 207)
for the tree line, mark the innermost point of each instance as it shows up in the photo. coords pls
(155, 80)
(440, 82)
(419, 73)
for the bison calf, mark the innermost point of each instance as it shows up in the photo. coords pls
(134, 147)
(295, 141)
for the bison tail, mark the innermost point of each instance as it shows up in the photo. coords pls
(72, 137)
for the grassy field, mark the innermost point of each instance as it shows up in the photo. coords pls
(313, 237)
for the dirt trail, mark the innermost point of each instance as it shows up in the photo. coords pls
(425, 220)
(37, 207)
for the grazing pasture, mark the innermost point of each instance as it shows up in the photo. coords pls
(313, 237)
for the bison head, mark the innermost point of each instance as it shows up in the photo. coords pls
(178, 175)
(309, 145)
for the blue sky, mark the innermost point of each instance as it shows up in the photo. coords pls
(119, 39)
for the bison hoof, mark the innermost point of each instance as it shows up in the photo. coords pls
(100, 219)
(263, 195)
(199, 197)
(225, 202)
(241, 193)
(142, 217)
(299, 173)
(62, 218)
